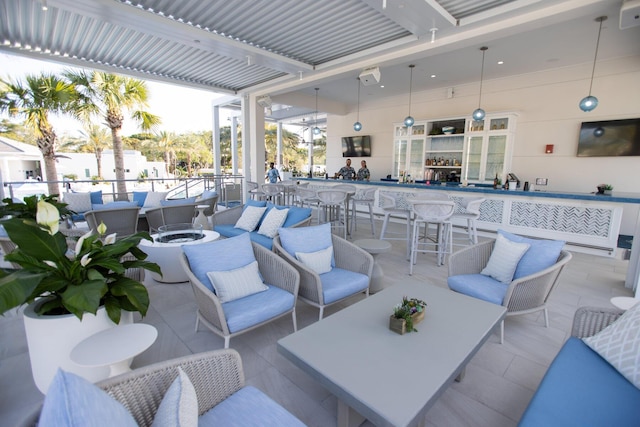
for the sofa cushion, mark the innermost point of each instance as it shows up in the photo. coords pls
(228, 230)
(73, 401)
(153, 198)
(264, 306)
(306, 239)
(219, 255)
(339, 283)
(139, 197)
(207, 194)
(96, 197)
(249, 407)
(237, 283)
(114, 205)
(178, 202)
(581, 389)
(295, 215)
(78, 202)
(250, 218)
(272, 221)
(256, 203)
(542, 254)
(478, 286)
(504, 259)
(319, 261)
(619, 344)
(179, 406)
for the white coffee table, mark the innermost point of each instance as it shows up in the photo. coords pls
(167, 256)
(387, 378)
(115, 347)
(375, 247)
(624, 303)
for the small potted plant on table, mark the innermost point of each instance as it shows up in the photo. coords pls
(605, 189)
(406, 315)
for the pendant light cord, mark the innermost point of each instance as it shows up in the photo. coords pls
(593, 70)
(483, 49)
(410, 86)
(358, 114)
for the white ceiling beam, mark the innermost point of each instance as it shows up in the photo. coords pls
(151, 23)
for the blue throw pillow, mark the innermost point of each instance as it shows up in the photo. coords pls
(306, 239)
(207, 194)
(256, 203)
(295, 215)
(114, 205)
(178, 202)
(96, 197)
(541, 254)
(219, 255)
(73, 401)
(139, 197)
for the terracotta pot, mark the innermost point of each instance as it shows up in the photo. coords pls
(51, 339)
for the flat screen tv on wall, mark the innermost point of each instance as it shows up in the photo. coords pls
(356, 146)
(609, 138)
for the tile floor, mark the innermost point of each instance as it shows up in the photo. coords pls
(498, 385)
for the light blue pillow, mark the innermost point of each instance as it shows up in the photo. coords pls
(179, 406)
(219, 255)
(73, 401)
(306, 239)
(114, 205)
(139, 197)
(207, 194)
(295, 215)
(504, 259)
(256, 203)
(96, 197)
(177, 202)
(541, 254)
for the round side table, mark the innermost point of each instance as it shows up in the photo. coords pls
(375, 247)
(201, 218)
(114, 347)
(624, 303)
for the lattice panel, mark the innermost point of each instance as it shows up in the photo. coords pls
(567, 219)
(490, 210)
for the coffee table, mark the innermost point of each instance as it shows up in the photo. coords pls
(387, 378)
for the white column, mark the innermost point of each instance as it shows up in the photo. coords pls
(279, 158)
(253, 127)
(234, 145)
(217, 166)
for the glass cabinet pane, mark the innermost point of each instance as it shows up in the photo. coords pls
(474, 158)
(417, 130)
(415, 159)
(495, 157)
(499, 124)
(399, 156)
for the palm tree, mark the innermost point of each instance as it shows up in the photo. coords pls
(35, 99)
(166, 142)
(96, 140)
(110, 96)
(291, 152)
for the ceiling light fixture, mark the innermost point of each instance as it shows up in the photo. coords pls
(44, 5)
(357, 126)
(589, 103)
(409, 121)
(479, 113)
(433, 34)
(316, 129)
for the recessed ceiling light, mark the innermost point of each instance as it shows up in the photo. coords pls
(500, 62)
(382, 86)
(433, 76)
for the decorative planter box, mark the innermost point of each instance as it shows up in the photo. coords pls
(400, 325)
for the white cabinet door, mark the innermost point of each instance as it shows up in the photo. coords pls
(489, 148)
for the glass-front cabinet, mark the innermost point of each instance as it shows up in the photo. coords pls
(489, 148)
(408, 150)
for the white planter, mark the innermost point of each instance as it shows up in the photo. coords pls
(51, 339)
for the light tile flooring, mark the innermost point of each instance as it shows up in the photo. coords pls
(498, 385)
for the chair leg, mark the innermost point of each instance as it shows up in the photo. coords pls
(321, 313)
(502, 332)
(546, 318)
(384, 226)
(295, 321)
(414, 247)
(408, 233)
(226, 341)
(197, 321)
(373, 225)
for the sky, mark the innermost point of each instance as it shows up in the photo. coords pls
(181, 109)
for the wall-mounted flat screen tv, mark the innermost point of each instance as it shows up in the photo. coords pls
(609, 138)
(356, 146)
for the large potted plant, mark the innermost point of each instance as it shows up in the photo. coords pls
(71, 293)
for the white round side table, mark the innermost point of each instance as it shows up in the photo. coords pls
(201, 218)
(375, 247)
(624, 303)
(114, 347)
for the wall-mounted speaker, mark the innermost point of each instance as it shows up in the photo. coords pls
(630, 14)
(370, 76)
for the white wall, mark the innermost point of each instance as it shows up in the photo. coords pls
(547, 104)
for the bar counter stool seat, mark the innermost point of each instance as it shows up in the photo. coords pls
(330, 209)
(437, 212)
(390, 207)
(471, 213)
(367, 197)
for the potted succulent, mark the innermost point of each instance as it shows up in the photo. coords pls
(86, 287)
(406, 315)
(605, 188)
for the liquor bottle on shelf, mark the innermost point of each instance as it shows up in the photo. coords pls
(495, 182)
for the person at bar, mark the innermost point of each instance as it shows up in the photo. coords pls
(347, 172)
(363, 172)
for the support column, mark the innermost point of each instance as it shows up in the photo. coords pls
(234, 145)
(253, 126)
(217, 163)
(279, 157)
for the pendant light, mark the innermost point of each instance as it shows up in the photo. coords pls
(316, 129)
(409, 121)
(357, 126)
(589, 103)
(478, 113)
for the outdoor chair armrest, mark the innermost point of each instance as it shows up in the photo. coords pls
(470, 260)
(227, 216)
(588, 321)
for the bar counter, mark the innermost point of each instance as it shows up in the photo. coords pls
(588, 222)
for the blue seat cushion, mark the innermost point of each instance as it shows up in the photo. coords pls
(256, 203)
(207, 194)
(339, 283)
(96, 197)
(581, 389)
(248, 407)
(261, 239)
(540, 255)
(77, 217)
(294, 216)
(114, 205)
(139, 197)
(228, 230)
(478, 286)
(257, 308)
(306, 239)
(178, 202)
(219, 255)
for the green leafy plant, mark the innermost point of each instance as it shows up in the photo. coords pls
(407, 309)
(72, 281)
(606, 187)
(27, 209)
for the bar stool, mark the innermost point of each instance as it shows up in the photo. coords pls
(390, 207)
(351, 191)
(254, 192)
(367, 197)
(330, 206)
(306, 196)
(471, 213)
(273, 192)
(428, 212)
